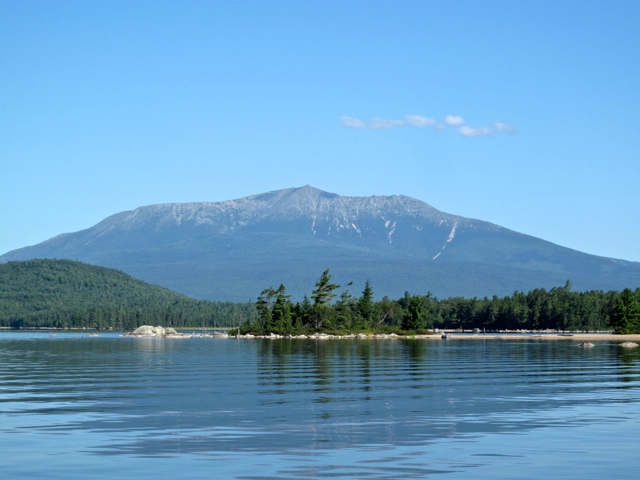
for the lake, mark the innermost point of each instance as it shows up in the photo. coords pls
(112, 407)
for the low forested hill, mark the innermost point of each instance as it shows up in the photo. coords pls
(65, 293)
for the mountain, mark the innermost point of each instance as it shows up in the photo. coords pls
(232, 250)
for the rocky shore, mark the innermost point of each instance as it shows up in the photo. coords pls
(324, 336)
(160, 332)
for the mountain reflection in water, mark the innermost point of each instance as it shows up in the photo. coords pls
(312, 409)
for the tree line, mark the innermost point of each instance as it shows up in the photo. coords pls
(333, 308)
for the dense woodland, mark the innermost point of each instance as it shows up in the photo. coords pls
(64, 293)
(559, 308)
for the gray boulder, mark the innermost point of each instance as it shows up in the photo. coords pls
(144, 331)
(586, 345)
(628, 345)
(149, 331)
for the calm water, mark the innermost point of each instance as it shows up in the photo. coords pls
(358, 409)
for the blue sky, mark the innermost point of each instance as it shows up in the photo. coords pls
(107, 106)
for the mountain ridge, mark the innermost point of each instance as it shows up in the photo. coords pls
(291, 232)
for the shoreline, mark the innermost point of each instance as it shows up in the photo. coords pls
(442, 335)
(107, 329)
(550, 336)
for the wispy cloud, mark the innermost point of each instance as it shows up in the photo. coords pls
(351, 122)
(379, 123)
(503, 127)
(420, 121)
(475, 132)
(453, 120)
(376, 123)
(497, 127)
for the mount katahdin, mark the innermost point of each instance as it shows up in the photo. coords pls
(232, 250)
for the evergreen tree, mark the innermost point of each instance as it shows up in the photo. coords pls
(626, 317)
(365, 306)
(414, 316)
(323, 293)
(386, 311)
(322, 316)
(343, 308)
(305, 312)
(281, 315)
(264, 306)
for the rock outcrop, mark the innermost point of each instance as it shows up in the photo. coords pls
(160, 332)
(628, 345)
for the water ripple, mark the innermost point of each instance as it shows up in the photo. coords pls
(359, 409)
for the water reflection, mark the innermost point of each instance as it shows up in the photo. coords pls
(283, 400)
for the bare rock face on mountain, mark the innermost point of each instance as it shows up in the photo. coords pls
(232, 250)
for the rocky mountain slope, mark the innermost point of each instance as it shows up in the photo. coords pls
(231, 250)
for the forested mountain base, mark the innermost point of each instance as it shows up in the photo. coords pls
(68, 294)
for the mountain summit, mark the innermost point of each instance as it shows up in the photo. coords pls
(232, 250)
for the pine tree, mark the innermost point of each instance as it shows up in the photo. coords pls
(626, 317)
(264, 304)
(414, 316)
(343, 308)
(281, 315)
(365, 305)
(323, 293)
(305, 312)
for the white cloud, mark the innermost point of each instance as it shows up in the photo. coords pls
(453, 120)
(379, 124)
(503, 127)
(376, 123)
(475, 132)
(497, 127)
(352, 122)
(418, 121)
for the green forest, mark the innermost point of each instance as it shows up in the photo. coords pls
(70, 294)
(333, 308)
